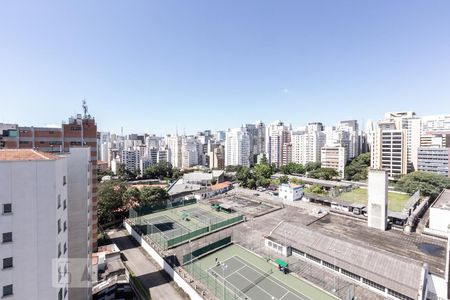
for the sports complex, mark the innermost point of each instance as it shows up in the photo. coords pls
(235, 273)
(173, 226)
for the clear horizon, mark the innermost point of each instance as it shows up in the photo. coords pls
(157, 66)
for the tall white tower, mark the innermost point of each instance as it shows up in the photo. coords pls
(378, 199)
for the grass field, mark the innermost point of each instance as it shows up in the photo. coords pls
(396, 201)
(239, 262)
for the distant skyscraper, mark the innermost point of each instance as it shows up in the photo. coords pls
(307, 145)
(395, 142)
(277, 135)
(237, 147)
(257, 136)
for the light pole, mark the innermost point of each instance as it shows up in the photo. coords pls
(224, 267)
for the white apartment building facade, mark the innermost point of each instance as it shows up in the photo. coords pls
(33, 188)
(306, 146)
(278, 134)
(130, 158)
(389, 149)
(174, 144)
(334, 157)
(237, 147)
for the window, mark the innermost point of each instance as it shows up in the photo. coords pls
(60, 294)
(373, 284)
(59, 225)
(7, 208)
(59, 250)
(7, 237)
(65, 204)
(64, 180)
(350, 274)
(7, 290)
(65, 248)
(7, 263)
(65, 226)
(59, 201)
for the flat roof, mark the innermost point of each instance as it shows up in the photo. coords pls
(25, 154)
(418, 247)
(364, 260)
(443, 200)
(327, 183)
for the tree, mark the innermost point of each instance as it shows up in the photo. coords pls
(292, 168)
(284, 179)
(154, 196)
(110, 195)
(264, 159)
(213, 181)
(323, 173)
(358, 168)
(311, 166)
(429, 184)
(263, 170)
(315, 189)
(131, 198)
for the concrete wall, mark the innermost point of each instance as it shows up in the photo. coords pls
(439, 219)
(79, 232)
(162, 263)
(378, 199)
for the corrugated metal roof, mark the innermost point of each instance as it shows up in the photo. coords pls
(388, 269)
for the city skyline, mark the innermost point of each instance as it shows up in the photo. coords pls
(162, 65)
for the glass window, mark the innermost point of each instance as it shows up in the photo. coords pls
(7, 237)
(7, 290)
(7, 263)
(7, 208)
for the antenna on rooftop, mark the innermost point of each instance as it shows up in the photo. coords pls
(85, 108)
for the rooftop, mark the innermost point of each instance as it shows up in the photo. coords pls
(443, 201)
(326, 183)
(25, 155)
(364, 260)
(417, 247)
(221, 185)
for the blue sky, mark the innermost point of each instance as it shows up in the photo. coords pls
(152, 66)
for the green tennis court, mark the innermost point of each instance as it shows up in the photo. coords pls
(234, 272)
(206, 217)
(251, 282)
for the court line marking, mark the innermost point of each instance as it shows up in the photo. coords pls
(167, 236)
(285, 288)
(251, 283)
(229, 283)
(205, 214)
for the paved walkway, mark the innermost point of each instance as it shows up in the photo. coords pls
(152, 278)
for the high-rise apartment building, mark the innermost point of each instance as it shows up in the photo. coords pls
(257, 136)
(307, 145)
(45, 204)
(395, 142)
(278, 134)
(334, 157)
(174, 143)
(130, 159)
(79, 131)
(237, 147)
(389, 149)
